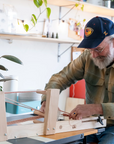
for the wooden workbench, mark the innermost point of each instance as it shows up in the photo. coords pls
(72, 133)
(51, 139)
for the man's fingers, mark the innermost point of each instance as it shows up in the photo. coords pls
(42, 109)
(78, 117)
(44, 103)
(73, 115)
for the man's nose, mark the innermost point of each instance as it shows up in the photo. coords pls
(94, 54)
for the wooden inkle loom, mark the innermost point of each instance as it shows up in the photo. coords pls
(50, 124)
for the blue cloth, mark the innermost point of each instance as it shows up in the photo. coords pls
(106, 137)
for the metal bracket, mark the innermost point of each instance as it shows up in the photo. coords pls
(10, 41)
(58, 51)
(59, 55)
(100, 130)
(100, 120)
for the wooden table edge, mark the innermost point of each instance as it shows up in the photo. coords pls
(71, 133)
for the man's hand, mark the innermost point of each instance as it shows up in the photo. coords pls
(42, 109)
(85, 110)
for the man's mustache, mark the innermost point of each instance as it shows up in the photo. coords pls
(100, 57)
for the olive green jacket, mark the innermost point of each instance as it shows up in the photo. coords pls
(99, 83)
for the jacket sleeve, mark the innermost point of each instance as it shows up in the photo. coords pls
(69, 75)
(108, 110)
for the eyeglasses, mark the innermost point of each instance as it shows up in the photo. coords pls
(99, 50)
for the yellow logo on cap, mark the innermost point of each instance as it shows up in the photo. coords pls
(88, 31)
(105, 33)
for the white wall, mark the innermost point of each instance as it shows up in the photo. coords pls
(39, 58)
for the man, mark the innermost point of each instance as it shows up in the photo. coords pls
(96, 66)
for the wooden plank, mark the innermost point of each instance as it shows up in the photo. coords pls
(3, 123)
(71, 103)
(61, 126)
(72, 133)
(39, 113)
(25, 130)
(75, 49)
(65, 126)
(37, 121)
(23, 120)
(37, 91)
(35, 38)
(93, 131)
(91, 8)
(50, 118)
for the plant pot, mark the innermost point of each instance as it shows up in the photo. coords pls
(107, 3)
(112, 4)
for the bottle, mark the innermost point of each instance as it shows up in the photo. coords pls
(47, 34)
(52, 35)
(57, 35)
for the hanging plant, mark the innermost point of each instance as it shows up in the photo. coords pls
(34, 18)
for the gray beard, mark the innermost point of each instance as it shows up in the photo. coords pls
(103, 61)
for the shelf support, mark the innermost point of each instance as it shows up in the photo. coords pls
(59, 23)
(58, 51)
(10, 41)
(59, 55)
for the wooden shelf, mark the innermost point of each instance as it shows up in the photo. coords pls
(35, 38)
(87, 7)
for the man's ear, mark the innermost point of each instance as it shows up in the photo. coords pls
(113, 42)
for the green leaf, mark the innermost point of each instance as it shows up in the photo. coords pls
(1, 75)
(45, 2)
(26, 27)
(82, 8)
(12, 58)
(18, 22)
(76, 5)
(0, 88)
(34, 19)
(1, 80)
(78, 23)
(38, 3)
(48, 10)
(33, 22)
(84, 20)
(3, 68)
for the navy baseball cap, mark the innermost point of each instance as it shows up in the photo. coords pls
(95, 32)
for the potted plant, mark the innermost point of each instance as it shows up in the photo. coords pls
(38, 4)
(109, 3)
(112, 3)
(11, 58)
(34, 18)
